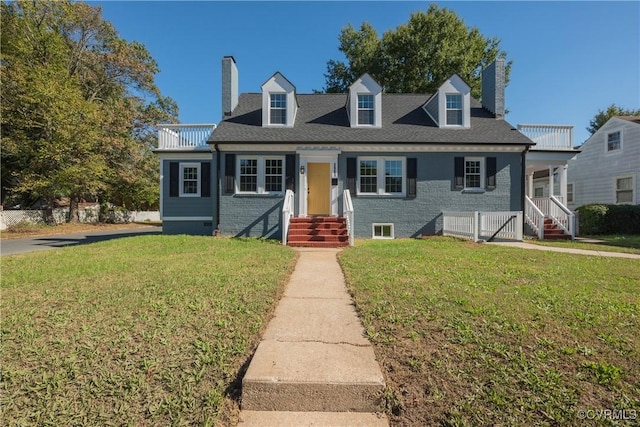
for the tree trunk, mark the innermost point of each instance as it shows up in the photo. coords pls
(74, 214)
(48, 213)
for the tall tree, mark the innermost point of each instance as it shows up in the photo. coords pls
(417, 56)
(602, 117)
(78, 105)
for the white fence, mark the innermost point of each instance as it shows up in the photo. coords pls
(90, 214)
(478, 226)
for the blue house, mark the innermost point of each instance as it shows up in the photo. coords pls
(321, 169)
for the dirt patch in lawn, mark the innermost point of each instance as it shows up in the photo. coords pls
(35, 230)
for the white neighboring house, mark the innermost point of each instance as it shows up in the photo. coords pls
(607, 170)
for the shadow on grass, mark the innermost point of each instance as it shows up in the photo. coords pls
(85, 239)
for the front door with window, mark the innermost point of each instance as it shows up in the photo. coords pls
(318, 188)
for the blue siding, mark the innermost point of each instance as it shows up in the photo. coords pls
(251, 216)
(435, 194)
(201, 228)
(189, 206)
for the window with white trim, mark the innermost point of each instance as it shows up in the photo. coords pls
(625, 189)
(382, 175)
(189, 179)
(474, 172)
(570, 193)
(538, 192)
(382, 231)
(278, 109)
(260, 174)
(614, 141)
(454, 109)
(366, 115)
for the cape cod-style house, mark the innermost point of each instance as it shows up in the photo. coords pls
(321, 169)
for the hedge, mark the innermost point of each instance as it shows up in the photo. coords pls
(609, 219)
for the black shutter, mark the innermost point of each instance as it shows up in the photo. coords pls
(491, 173)
(205, 179)
(230, 173)
(412, 175)
(459, 173)
(290, 174)
(352, 174)
(174, 179)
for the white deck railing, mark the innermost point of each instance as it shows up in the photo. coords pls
(549, 137)
(348, 214)
(287, 214)
(534, 216)
(184, 137)
(483, 225)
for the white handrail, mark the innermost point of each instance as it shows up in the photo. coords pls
(548, 137)
(287, 214)
(535, 217)
(478, 225)
(348, 214)
(562, 216)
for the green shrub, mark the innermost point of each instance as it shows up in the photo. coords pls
(609, 219)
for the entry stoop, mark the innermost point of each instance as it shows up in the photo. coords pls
(318, 232)
(553, 232)
(314, 365)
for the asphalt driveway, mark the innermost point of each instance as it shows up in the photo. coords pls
(43, 243)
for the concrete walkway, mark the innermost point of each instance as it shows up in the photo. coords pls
(525, 245)
(314, 366)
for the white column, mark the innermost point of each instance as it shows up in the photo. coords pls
(550, 180)
(563, 184)
(530, 185)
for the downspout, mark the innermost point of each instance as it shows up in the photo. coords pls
(218, 190)
(523, 183)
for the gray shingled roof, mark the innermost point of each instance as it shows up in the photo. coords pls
(323, 118)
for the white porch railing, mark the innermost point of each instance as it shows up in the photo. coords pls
(534, 216)
(549, 137)
(562, 216)
(348, 214)
(184, 137)
(483, 225)
(287, 214)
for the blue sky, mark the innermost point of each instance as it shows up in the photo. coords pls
(570, 59)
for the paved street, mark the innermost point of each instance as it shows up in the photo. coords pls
(43, 243)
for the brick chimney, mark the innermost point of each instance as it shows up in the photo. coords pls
(493, 85)
(229, 85)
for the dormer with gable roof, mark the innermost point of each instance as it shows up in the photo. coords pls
(364, 103)
(450, 106)
(279, 104)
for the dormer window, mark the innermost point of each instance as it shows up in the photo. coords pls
(450, 105)
(278, 109)
(364, 103)
(279, 104)
(454, 109)
(365, 110)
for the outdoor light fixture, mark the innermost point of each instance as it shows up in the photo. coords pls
(301, 170)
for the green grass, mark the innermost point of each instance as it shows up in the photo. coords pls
(473, 334)
(148, 330)
(627, 243)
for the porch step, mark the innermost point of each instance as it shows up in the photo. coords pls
(553, 232)
(318, 232)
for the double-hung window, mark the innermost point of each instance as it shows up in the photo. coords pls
(474, 172)
(454, 109)
(614, 142)
(260, 174)
(366, 110)
(278, 109)
(189, 179)
(624, 190)
(382, 175)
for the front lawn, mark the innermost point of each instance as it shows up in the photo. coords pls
(471, 334)
(150, 330)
